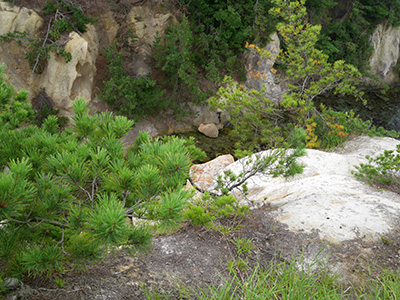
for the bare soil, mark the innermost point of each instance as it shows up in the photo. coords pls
(196, 257)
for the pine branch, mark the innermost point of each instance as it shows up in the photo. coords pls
(41, 220)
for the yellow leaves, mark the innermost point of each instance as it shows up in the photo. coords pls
(273, 70)
(250, 46)
(337, 130)
(258, 75)
(278, 10)
(311, 137)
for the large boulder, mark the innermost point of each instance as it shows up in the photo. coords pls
(63, 81)
(386, 41)
(204, 174)
(327, 198)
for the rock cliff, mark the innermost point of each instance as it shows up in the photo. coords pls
(386, 42)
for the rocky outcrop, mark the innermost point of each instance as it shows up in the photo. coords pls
(386, 42)
(326, 198)
(146, 24)
(13, 18)
(260, 73)
(64, 82)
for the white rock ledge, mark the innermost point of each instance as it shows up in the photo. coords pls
(327, 198)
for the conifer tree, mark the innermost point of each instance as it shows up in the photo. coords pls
(69, 198)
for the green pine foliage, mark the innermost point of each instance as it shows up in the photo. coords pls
(174, 55)
(255, 118)
(381, 170)
(221, 29)
(69, 198)
(73, 18)
(259, 123)
(196, 53)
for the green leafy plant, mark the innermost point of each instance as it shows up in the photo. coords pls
(130, 96)
(206, 210)
(382, 170)
(386, 240)
(174, 56)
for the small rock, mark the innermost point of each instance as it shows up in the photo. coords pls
(209, 130)
(12, 283)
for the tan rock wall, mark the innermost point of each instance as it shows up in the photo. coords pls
(66, 81)
(13, 18)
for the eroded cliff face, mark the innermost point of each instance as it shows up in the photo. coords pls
(386, 42)
(13, 18)
(63, 82)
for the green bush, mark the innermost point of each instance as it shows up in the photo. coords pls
(222, 28)
(174, 55)
(68, 198)
(206, 210)
(130, 96)
(328, 129)
(382, 170)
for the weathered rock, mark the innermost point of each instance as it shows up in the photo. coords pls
(386, 41)
(203, 115)
(14, 18)
(259, 70)
(106, 28)
(12, 283)
(204, 174)
(209, 130)
(64, 82)
(327, 198)
(145, 126)
(146, 24)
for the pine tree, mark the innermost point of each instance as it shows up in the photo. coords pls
(69, 198)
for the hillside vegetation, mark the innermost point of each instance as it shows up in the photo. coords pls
(71, 196)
